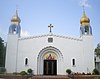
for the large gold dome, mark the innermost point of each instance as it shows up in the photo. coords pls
(84, 20)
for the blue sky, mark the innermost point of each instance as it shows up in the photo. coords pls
(36, 15)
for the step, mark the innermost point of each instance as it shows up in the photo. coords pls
(49, 77)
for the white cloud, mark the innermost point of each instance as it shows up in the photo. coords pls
(84, 3)
(24, 33)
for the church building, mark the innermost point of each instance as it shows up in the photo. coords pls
(50, 54)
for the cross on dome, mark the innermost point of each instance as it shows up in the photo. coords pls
(84, 20)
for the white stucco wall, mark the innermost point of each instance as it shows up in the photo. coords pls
(81, 49)
(88, 53)
(11, 53)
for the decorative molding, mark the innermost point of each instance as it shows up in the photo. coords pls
(48, 49)
(65, 37)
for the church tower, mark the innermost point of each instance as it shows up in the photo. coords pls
(15, 25)
(87, 38)
(12, 43)
(85, 28)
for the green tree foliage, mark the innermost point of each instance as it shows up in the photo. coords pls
(97, 50)
(2, 53)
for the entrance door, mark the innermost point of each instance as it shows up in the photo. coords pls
(50, 67)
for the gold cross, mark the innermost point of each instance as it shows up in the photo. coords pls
(50, 26)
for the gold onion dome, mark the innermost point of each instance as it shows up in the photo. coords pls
(16, 18)
(84, 20)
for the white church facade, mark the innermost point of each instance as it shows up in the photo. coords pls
(49, 54)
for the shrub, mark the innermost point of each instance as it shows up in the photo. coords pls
(29, 71)
(2, 70)
(75, 73)
(88, 73)
(83, 73)
(23, 73)
(95, 72)
(68, 71)
(15, 73)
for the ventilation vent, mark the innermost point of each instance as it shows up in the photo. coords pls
(50, 40)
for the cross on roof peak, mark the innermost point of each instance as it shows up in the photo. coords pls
(50, 26)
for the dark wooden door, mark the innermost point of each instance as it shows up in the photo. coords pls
(50, 67)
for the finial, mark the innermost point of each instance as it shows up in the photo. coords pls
(16, 10)
(84, 20)
(15, 19)
(83, 10)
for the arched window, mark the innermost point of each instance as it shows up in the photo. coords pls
(73, 62)
(26, 61)
(86, 29)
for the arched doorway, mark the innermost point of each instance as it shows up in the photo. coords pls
(50, 61)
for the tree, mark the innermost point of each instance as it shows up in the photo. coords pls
(97, 50)
(2, 53)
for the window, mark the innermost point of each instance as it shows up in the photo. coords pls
(73, 62)
(50, 40)
(86, 29)
(26, 61)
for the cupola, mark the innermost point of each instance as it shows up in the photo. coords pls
(15, 19)
(84, 20)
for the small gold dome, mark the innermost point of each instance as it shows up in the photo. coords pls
(15, 19)
(84, 20)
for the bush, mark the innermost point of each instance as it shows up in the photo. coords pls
(83, 73)
(68, 71)
(23, 73)
(2, 70)
(95, 72)
(29, 71)
(88, 73)
(15, 73)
